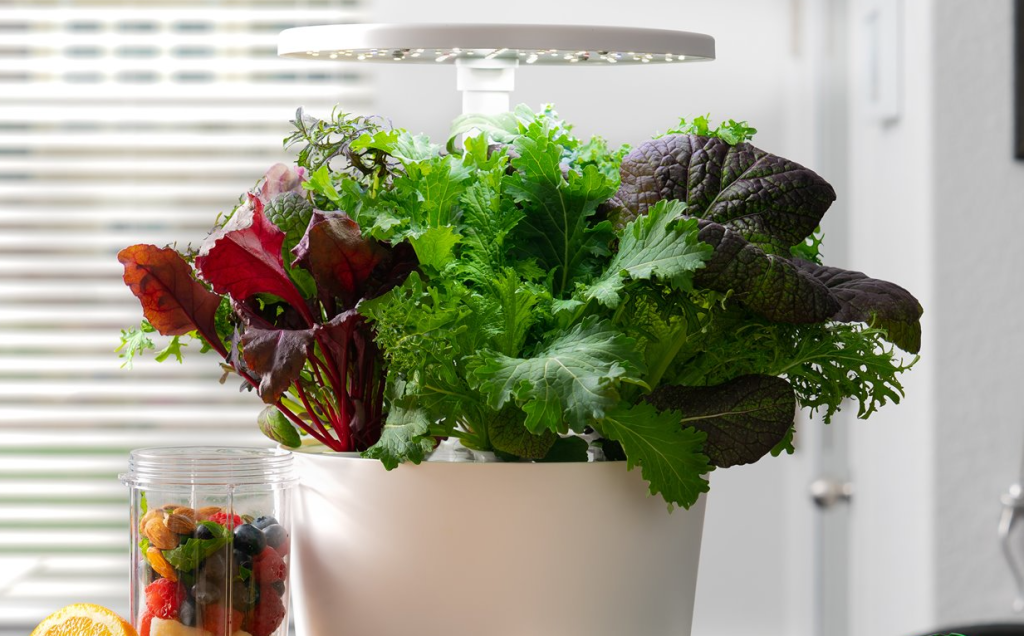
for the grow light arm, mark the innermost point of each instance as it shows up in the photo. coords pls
(486, 84)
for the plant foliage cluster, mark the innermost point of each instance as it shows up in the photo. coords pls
(536, 296)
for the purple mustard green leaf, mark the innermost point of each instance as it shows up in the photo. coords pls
(770, 201)
(744, 418)
(769, 285)
(277, 355)
(877, 302)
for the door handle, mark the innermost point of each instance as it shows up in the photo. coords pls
(827, 492)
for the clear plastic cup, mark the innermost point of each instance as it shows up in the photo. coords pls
(210, 540)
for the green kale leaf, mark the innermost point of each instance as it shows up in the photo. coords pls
(405, 437)
(661, 244)
(570, 382)
(669, 456)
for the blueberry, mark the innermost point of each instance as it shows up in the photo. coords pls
(244, 594)
(278, 587)
(276, 535)
(242, 560)
(249, 540)
(262, 522)
(215, 566)
(206, 591)
(187, 613)
(202, 532)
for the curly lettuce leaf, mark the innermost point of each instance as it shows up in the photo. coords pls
(744, 418)
(669, 456)
(569, 383)
(660, 245)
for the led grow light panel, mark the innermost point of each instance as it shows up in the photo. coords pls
(502, 45)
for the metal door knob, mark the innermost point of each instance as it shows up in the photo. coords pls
(827, 492)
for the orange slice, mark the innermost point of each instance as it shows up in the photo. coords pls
(84, 619)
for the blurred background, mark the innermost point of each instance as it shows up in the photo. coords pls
(127, 122)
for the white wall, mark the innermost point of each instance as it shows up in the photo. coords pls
(755, 554)
(936, 205)
(977, 313)
(891, 197)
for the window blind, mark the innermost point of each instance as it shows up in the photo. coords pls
(121, 122)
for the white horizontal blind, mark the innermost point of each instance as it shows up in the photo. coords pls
(120, 122)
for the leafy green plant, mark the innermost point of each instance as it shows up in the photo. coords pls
(544, 298)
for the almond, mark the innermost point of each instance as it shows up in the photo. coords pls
(160, 565)
(185, 510)
(204, 514)
(159, 535)
(152, 514)
(180, 524)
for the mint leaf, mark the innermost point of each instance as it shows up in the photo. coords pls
(405, 437)
(569, 383)
(187, 556)
(660, 245)
(669, 456)
(143, 503)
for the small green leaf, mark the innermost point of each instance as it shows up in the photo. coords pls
(244, 573)
(405, 437)
(173, 348)
(669, 456)
(134, 341)
(143, 504)
(320, 183)
(276, 426)
(434, 247)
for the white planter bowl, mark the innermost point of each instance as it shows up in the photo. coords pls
(489, 549)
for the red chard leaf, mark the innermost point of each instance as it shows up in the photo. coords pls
(338, 256)
(244, 259)
(172, 300)
(278, 356)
